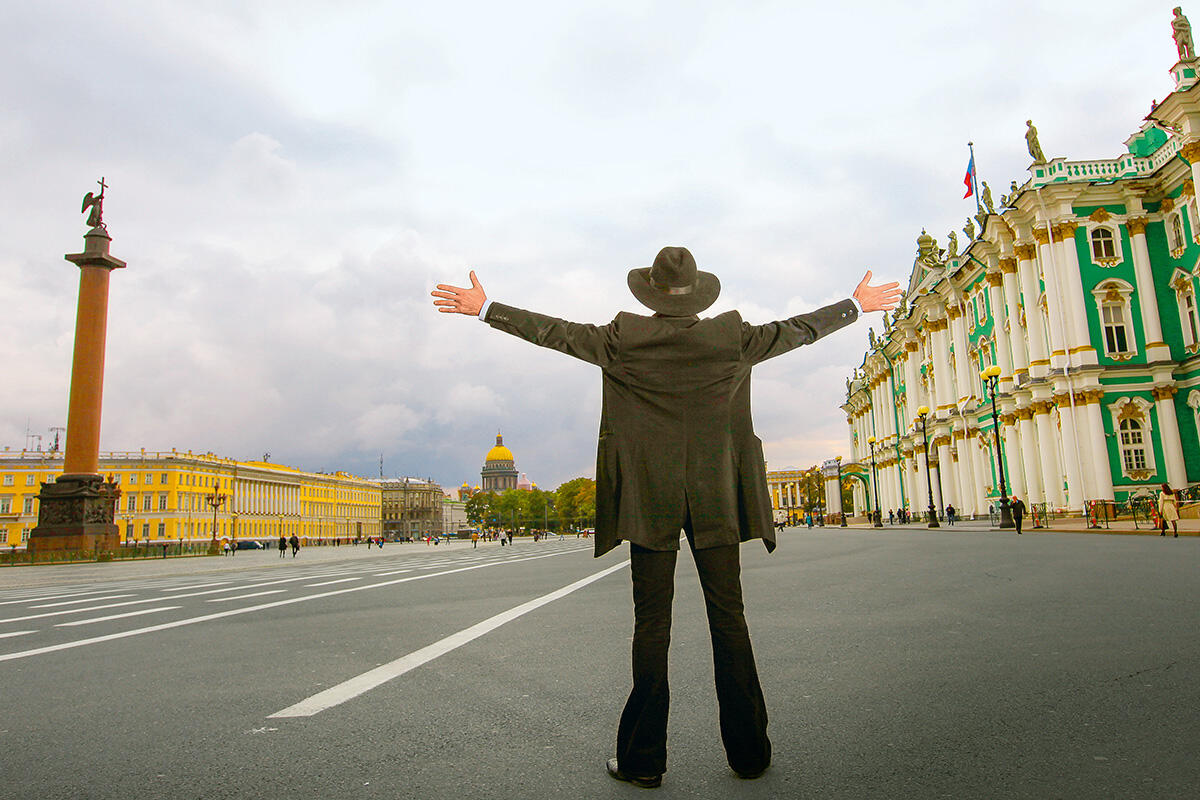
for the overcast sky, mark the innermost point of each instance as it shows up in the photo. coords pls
(289, 179)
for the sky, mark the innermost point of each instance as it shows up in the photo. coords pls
(288, 181)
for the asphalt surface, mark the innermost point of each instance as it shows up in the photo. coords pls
(899, 663)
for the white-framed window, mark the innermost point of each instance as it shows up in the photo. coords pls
(1113, 302)
(1193, 219)
(28, 505)
(163, 479)
(1131, 422)
(131, 502)
(1193, 401)
(146, 531)
(149, 479)
(147, 501)
(162, 502)
(1189, 316)
(162, 530)
(1175, 238)
(8, 480)
(6, 502)
(1105, 245)
(29, 479)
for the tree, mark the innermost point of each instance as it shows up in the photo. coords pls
(575, 502)
(481, 508)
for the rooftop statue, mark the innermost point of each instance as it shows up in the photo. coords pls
(969, 230)
(1031, 140)
(96, 203)
(952, 244)
(1181, 31)
(986, 196)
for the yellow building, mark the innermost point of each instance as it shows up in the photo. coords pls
(170, 496)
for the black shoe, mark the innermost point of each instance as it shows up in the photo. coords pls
(749, 776)
(645, 782)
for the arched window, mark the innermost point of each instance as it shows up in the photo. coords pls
(1103, 248)
(1175, 235)
(1189, 317)
(1113, 301)
(1133, 445)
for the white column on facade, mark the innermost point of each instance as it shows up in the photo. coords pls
(962, 362)
(1039, 358)
(1003, 350)
(919, 499)
(1016, 331)
(1168, 432)
(1014, 473)
(912, 378)
(946, 472)
(1079, 340)
(1156, 349)
(1071, 454)
(1057, 305)
(943, 384)
(983, 472)
(1048, 452)
(1102, 469)
(1034, 485)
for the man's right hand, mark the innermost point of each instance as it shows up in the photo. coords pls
(459, 300)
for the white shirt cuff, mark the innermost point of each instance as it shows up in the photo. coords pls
(857, 304)
(483, 311)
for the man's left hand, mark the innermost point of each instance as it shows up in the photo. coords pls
(884, 297)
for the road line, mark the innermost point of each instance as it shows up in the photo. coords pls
(329, 583)
(81, 610)
(244, 596)
(14, 633)
(179, 623)
(50, 597)
(115, 616)
(196, 586)
(336, 695)
(88, 600)
(393, 572)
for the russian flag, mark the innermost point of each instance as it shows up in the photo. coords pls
(969, 180)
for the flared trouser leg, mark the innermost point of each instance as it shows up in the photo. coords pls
(642, 732)
(743, 711)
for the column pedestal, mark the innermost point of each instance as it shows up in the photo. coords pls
(76, 513)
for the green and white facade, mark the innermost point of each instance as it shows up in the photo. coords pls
(1082, 286)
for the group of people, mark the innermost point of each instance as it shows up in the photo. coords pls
(285, 541)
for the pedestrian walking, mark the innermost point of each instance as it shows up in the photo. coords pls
(891, 517)
(282, 546)
(1017, 508)
(677, 450)
(225, 547)
(295, 542)
(949, 515)
(1168, 510)
(474, 540)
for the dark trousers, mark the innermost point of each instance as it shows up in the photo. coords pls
(642, 733)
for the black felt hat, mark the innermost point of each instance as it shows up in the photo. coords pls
(673, 285)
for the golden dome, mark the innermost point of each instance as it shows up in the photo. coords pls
(499, 452)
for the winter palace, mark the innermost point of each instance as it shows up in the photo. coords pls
(1080, 285)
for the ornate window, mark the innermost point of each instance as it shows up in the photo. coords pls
(1189, 317)
(1104, 246)
(1175, 237)
(1131, 420)
(1193, 401)
(1115, 311)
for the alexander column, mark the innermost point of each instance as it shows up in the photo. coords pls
(76, 511)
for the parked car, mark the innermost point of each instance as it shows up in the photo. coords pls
(249, 544)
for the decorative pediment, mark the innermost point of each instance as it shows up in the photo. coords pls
(1100, 215)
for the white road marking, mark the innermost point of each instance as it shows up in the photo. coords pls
(82, 610)
(393, 572)
(196, 586)
(179, 623)
(14, 633)
(88, 600)
(336, 695)
(49, 597)
(328, 583)
(244, 596)
(115, 616)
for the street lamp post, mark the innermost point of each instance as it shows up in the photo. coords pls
(841, 506)
(875, 483)
(215, 501)
(923, 412)
(991, 377)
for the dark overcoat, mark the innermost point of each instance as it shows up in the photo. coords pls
(676, 438)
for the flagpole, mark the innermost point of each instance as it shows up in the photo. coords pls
(974, 176)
